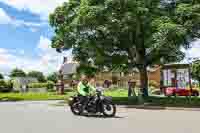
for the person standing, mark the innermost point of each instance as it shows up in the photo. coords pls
(131, 88)
(130, 91)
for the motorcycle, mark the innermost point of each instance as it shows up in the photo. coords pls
(96, 104)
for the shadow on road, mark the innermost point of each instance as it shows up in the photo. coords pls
(163, 108)
(146, 107)
(101, 116)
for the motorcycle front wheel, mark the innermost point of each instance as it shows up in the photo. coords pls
(76, 108)
(109, 109)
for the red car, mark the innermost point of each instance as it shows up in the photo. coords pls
(172, 91)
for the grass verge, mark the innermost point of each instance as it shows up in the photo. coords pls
(32, 96)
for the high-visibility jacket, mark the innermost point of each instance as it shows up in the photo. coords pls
(85, 90)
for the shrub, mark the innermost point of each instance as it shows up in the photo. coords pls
(37, 85)
(2, 83)
(50, 85)
(10, 84)
(5, 86)
(153, 84)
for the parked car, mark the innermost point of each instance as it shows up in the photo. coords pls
(173, 91)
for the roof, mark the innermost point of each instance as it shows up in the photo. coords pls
(149, 69)
(175, 65)
(69, 68)
(25, 80)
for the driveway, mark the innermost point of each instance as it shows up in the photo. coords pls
(43, 117)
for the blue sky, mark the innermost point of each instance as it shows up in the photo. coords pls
(25, 36)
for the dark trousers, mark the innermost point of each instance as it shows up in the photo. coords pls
(130, 91)
(84, 100)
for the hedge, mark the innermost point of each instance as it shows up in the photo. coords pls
(5, 86)
(49, 85)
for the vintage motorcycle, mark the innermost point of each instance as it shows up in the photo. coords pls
(96, 104)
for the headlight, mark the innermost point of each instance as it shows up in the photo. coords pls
(70, 99)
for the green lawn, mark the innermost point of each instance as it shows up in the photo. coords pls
(117, 93)
(31, 96)
(51, 96)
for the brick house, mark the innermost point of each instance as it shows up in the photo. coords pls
(116, 77)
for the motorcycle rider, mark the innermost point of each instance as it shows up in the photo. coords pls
(85, 89)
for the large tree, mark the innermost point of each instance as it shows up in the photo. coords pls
(38, 75)
(134, 33)
(196, 70)
(17, 73)
(53, 77)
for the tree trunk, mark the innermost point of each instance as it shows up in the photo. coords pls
(144, 81)
(61, 85)
(141, 55)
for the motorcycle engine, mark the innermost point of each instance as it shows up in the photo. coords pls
(92, 107)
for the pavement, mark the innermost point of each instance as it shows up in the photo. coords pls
(44, 117)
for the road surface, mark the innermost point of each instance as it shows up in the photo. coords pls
(43, 117)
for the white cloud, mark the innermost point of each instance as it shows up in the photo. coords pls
(22, 52)
(48, 61)
(28, 24)
(44, 44)
(39, 7)
(34, 29)
(2, 50)
(49, 56)
(6, 19)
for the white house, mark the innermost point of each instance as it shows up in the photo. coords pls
(20, 83)
(68, 68)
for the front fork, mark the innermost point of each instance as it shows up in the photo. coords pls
(70, 101)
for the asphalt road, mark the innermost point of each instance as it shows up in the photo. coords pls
(43, 117)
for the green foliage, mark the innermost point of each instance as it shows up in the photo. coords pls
(38, 75)
(136, 33)
(53, 77)
(117, 93)
(2, 83)
(50, 86)
(9, 84)
(17, 73)
(6, 86)
(37, 85)
(196, 70)
(31, 96)
(1, 76)
(88, 70)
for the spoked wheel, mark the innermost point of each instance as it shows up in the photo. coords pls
(109, 109)
(76, 108)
